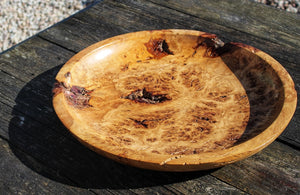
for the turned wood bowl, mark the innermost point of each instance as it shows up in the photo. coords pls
(174, 100)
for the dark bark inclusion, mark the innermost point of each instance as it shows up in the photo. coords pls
(158, 48)
(144, 96)
(76, 96)
(212, 44)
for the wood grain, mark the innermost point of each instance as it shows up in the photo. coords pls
(33, 58)
(264, 173)
(16, 178)
(196, 186)
(258, 21)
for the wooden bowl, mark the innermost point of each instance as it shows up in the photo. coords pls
(174, 100)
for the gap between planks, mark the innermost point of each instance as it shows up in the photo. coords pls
(57, 44)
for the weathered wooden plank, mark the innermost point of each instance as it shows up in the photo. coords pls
(16, 178)
(10, 87)
(127, 16)
(5, 116)
(26, 61)
(246, 16)
(291, 134)
(151, 190)
(33, 99)
(275, 170)
(84, 33)
(204, 185)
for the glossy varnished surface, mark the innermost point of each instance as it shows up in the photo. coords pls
(175, 100)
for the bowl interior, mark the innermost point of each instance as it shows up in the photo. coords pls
(263, 86)
(173, 97)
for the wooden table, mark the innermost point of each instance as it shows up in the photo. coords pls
(39, 156)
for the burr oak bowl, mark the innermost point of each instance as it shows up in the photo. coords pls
(174, 100)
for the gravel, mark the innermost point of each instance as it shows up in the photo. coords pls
(21, 19)
(288, 5)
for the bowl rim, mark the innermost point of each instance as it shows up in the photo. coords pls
(205, 160)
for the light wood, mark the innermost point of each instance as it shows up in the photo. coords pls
(174, 100)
